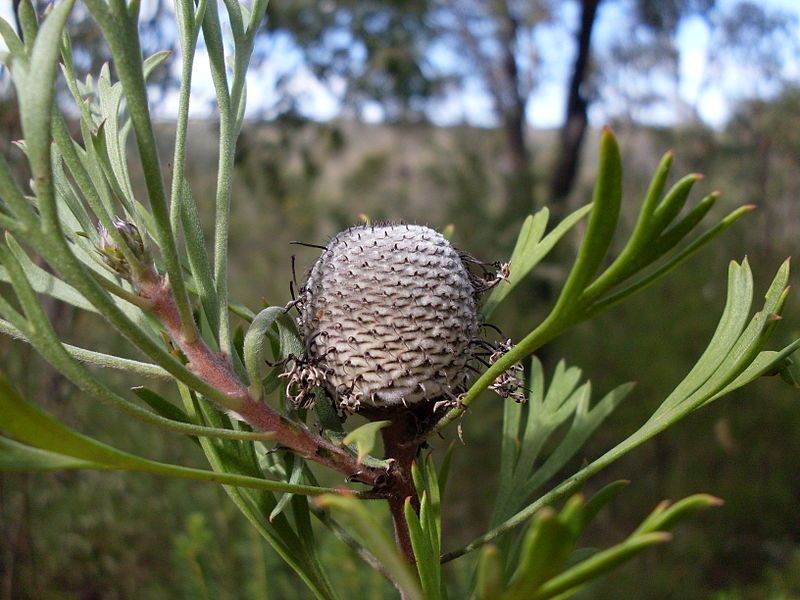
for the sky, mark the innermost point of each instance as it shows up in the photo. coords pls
(713, 103)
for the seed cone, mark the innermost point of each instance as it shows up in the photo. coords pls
(388, 313)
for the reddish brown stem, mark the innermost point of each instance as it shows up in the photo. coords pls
(216, 370)
(401, 483)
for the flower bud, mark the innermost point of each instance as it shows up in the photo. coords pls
(111, 253)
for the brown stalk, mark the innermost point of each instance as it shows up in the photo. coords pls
(215, 369)
(402, 440)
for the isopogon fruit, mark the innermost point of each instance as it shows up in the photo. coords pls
(388, 313)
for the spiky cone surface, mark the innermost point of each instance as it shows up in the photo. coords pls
(388, 313)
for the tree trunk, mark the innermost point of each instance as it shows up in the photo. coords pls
(519, 182)
(575, 123)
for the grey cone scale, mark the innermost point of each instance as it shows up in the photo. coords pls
(388, 313)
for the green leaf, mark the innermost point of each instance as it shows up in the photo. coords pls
(198, 256)
(12, 195)
(28, 23)
(44, 338)
(545, 550)
(363, 437)
(36, 91)
(444, 468)
(113, 138)
(43, 282)
(733, 357)
(647, 243)
(666, 515)
(160, 405)
(99, 359)
(31, 426)
(790, 369)
(363, 523)
(490, 574)
(19, 457)
(427, 560)
(278, 533)
(597, 565)
(520, 475)
(584, 424)
(72, 211)
(11, 39)
(654, 191)
(296, 475)
(669, 263)
(152, 62)
(529, 251)
(602, 220)
(600, 499)
(254, 343)
(672, 236)
(673, 202)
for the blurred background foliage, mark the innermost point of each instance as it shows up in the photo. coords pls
(393, 67)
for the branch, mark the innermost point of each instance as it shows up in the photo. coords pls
(216, 371)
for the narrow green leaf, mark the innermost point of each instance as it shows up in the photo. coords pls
(72, 211)
(655, 190)
(152, 62)
(254, 341)
(666, 516)
(530, 235)
(545, 549)
(602, 220)
(731, 324)
(672, 236)
(444, 468)
(325, 410)
(572, 515)
(363, 437)
(12, 195)
(726, 361)
(30, 425)
(673, 202)
(37, 92)
(597, 565)
(99, 359)
(363, 523)
(746, 348)
(669, 264)
(163, 407)
(44, 338)
(198, 256)
(638, 254)
(43, 282)
(11, 39)
(584, 425)
(600, 499)
(19, 457)
(434, 522)
(427, 561)
(764, 364)
(296, 475)
(278, 534)
(110, 96)
(29, 23)
(490, 574)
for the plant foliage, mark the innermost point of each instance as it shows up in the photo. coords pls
(142, 265)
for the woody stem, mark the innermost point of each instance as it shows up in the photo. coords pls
(216, 370)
